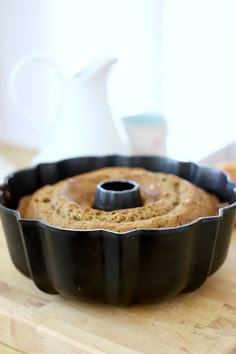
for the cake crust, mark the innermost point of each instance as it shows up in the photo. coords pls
(168, 201)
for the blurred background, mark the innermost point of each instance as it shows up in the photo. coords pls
(175, 77)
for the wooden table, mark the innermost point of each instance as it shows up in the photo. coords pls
(203, 321)
(20, 156)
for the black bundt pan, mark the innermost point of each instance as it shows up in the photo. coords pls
(119, 268)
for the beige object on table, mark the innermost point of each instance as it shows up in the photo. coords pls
(203, 321)
(227, 153)
(16, 155)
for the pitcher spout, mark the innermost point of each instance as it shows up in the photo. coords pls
(100, 67)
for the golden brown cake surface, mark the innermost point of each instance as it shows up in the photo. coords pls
(168, 201)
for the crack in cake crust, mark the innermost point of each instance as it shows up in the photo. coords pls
(168, 201)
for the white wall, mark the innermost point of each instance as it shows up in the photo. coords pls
(191, 78)
(199, 69)
(23, 28)
(74, 32)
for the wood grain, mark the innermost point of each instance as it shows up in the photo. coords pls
(203, 321)
(18, 155)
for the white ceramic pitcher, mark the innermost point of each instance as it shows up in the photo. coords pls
(83, 123)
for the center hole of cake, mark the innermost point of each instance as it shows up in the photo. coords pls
(118, 186)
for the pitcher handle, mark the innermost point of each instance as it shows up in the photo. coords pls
(14, 94)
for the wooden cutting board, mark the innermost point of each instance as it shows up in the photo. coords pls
(203, 321)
